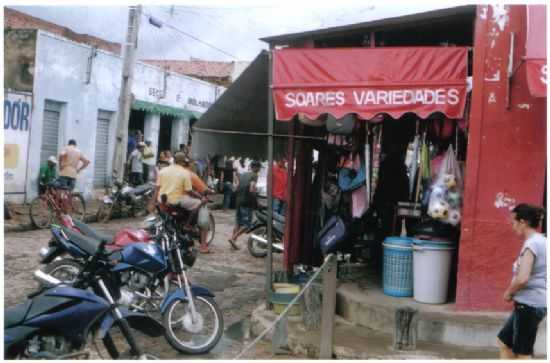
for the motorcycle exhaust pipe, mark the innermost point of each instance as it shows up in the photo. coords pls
(45, 279)
(263, 241)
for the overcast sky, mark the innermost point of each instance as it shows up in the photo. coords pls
(234, 29)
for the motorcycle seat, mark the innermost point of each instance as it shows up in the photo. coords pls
(88, 244)
(16, 314)
(90, 232)
(140, 189)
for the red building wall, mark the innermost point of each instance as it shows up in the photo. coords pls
(506, 159)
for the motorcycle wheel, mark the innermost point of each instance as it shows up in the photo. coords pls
(109, 347)
(139, 209)
(104, 212)
(211, 230)
(255, 248)
(188, 337)
(65, 269)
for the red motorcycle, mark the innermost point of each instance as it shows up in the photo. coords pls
(115, 242)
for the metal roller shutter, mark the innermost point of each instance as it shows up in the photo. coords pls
(50, 130)
(101, 148)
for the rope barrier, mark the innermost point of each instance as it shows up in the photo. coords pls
(285, 311)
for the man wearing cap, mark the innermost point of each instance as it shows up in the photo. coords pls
(47, 174)
(69, 159)
(136, 165)
(176, 182)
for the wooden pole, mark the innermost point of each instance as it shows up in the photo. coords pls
(269, 259)
(329, 309)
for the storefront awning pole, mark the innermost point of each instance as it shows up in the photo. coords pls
(270, 121)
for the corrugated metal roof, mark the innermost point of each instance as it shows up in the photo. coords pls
(376, 25)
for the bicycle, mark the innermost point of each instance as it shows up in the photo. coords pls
(55, 201)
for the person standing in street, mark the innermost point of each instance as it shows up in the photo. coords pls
(527, 289)
(69, 159)
(148, 161)
(280, 177)
(227, 178)
(47, 174)
(136, 165)
(246, 202)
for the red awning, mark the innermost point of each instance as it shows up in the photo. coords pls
(368, 81)
(535, 52)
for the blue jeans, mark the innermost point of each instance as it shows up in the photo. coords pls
(227, 192)
(279, 206)
(67, 182)
(243, 217)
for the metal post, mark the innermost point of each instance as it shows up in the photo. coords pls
(125, 98)
(269, 259)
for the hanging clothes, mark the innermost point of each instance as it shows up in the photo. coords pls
(359, 202)
(367, 171)
(358, 196)
(413, 165)
(377, 150)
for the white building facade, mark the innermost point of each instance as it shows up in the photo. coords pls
(75, 96)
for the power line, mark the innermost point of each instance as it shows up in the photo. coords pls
(159, 23)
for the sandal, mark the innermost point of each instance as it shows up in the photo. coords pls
(233, 244)
(204, 250)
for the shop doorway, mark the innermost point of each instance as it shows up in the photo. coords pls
(137, 121)
(165, 133)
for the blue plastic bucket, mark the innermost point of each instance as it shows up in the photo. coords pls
(397, 277)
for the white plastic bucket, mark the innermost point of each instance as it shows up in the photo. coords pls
(431, 269)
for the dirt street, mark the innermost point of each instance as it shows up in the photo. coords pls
(236, 278)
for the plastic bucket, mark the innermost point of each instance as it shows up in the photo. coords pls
(397, 274)
(283, 294)
(431, 270)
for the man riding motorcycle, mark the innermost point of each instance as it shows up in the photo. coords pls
(176, 182)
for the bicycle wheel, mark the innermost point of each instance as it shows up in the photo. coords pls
(78, 207)
(40, 213)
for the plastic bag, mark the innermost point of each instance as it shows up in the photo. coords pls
(446, 191)
(203, 219)
(449, 171)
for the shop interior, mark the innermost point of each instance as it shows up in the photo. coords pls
(386, 179)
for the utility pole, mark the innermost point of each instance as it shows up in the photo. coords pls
(125, 98)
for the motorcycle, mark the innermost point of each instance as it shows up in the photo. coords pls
(144, 273)
(114, 242)
(61, 321)
(124, 199)
(257, 242)
(181, 216)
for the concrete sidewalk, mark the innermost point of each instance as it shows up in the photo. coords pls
(365, 324)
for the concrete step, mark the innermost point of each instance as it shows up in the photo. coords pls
(356, 342)
(437, 324)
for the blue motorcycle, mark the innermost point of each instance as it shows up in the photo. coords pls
(61, 321)
(150, 278)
